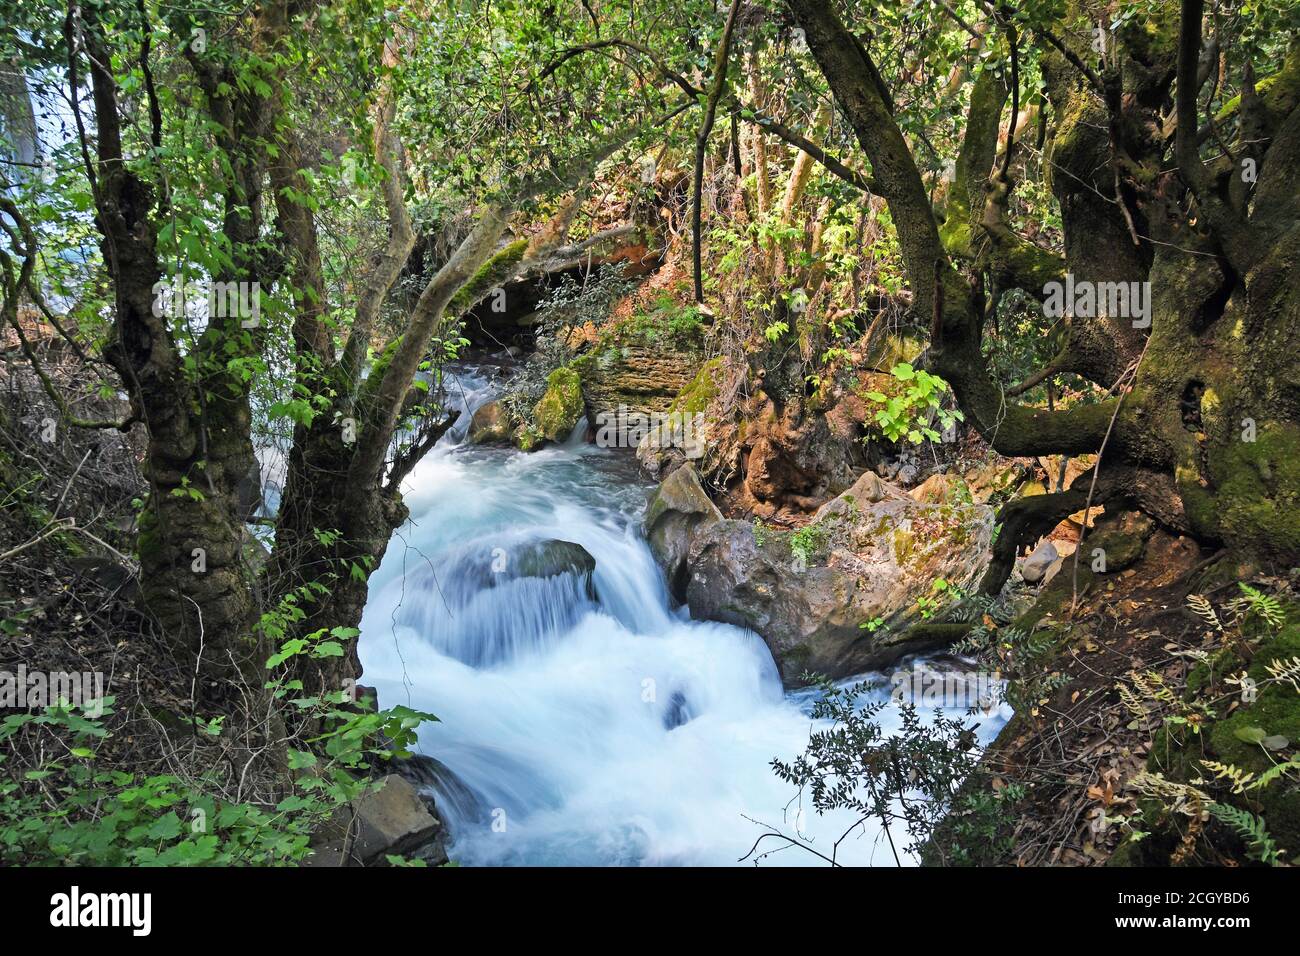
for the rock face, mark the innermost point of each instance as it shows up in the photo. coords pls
(869, 553)
(642, 378)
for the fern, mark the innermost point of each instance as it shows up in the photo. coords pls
(1178, 797)
(1259, 845)
(1203, 609)
(1261, 605)
(1275, 772)
(1241, 780)
(1288, 671)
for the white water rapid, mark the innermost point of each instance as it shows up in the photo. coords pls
(585, 722)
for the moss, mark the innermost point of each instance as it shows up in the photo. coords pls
(1128, 853)
(1253, 498)
(956, 230)
(498, 268)
(1279, 93)
(1275, 710)
(1152, 38)
(700, 391)
(527, 438)
(886, 352)
(670, 318)
(1122, 548)
(559, 409)
(904, 546)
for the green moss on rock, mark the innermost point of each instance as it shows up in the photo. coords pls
(561, 407)
(701, 390)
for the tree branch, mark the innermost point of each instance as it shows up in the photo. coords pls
(1237, 242)
(720, 64)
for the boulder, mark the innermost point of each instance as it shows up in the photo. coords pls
(558, 410)
(657, 458)
(1034, 568)
(392, 819)
(490, 423)
(527, 438)
(678, 508)
(546, 559)
(935, 490)
(994, 481)
(868, 554)
(868, 489)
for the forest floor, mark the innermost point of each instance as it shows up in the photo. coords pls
(1076, 747)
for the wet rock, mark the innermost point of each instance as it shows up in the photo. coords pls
(679, 711)
(390, 820)
(658, 458)
(559, 409)
(490, 423)
(546, 559)
(869, 553)
(678, 508)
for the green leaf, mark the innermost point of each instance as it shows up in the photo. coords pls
(1250, 735)
(166, 827)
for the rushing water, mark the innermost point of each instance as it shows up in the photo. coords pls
(581, 727)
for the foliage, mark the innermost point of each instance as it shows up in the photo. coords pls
(666, 318)
(808, 541)
(910, 778)
(70, 811)
(915, 408)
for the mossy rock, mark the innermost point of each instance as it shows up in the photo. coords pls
(701, 390)
(559, 409)
(1123, 549)
(527, 438)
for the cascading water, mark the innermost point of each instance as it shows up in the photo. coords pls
(583, 721)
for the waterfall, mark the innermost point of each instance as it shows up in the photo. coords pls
(582, 720)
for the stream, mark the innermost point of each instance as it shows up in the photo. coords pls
(581, 728)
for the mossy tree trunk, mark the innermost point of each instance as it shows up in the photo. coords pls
(193, 402)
